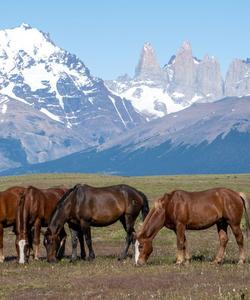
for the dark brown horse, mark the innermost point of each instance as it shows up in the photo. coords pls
(34, 210)
(183, 210)
(8, 205)
(88, 206)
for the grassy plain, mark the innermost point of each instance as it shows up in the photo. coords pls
(107, 278)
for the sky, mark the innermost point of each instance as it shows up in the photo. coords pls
(108, 35)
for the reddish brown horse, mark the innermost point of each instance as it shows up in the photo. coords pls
(183, 210)
(8, 205)
(34, 210)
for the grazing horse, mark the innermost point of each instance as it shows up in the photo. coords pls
(183, 210)
(34, 210)
(88, 206)
(8, 205)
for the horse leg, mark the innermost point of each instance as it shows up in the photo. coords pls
(128, 224)
(240, 241)
(88, 239)
(81, 241)
(222, 232)
(180, 234)
(186, 253)
(1, 243)
(37, 230)
(61, 249)
(30, 241)
(74, 244)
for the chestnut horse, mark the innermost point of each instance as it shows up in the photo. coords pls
(88, 206)
(34, 210)
(8, 205)
(183, 210)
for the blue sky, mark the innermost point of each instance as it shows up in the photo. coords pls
(108, 35)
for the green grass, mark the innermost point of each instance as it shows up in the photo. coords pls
(106, 278)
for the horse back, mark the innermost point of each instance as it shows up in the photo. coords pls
(39, 203)
(199, 210)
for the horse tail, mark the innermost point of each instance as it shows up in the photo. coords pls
(145, 206)
(247, 212)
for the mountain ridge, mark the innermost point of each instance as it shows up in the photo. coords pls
(170, 150)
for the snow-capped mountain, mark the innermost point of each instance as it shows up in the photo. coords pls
(147, 90)
(203, 138)
(57, 85)
(156, 91)
(184, 80)
(37, 72)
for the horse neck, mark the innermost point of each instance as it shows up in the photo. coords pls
(61, 214)
(153, 223)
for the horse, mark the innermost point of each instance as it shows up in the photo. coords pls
(34, 210)
(88, 206)
(8, 205)
(181, 210)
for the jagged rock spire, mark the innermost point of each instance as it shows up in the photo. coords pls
(148, 67)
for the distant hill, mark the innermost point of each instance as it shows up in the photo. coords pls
(204, 138)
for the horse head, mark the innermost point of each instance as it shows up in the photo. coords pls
(143, 249)
(52, 244)
(152, 224)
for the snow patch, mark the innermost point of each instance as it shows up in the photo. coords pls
(4, 108)
(144, 98)
(8, 91)
(50, 115)
(113, 101)
(177, 95)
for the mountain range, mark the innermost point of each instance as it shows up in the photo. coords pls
(204, 138)
(184, 80)
(182, 117)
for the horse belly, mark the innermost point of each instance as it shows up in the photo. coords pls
(204, 219)
(104, 219)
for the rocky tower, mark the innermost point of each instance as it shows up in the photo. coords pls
(148, 67)
(237, 81)
(192, 79)
(184, 66)
(209, 80)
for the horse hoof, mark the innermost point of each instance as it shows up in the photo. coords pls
(122, 257)
(37, 258)
(187, 262)
(2, 259)
(73, 259)
(179, 263)
(217, 262)
(241, 262)
(90, 258)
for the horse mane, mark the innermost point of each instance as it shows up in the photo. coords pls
(159, 202)
(60, 203)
